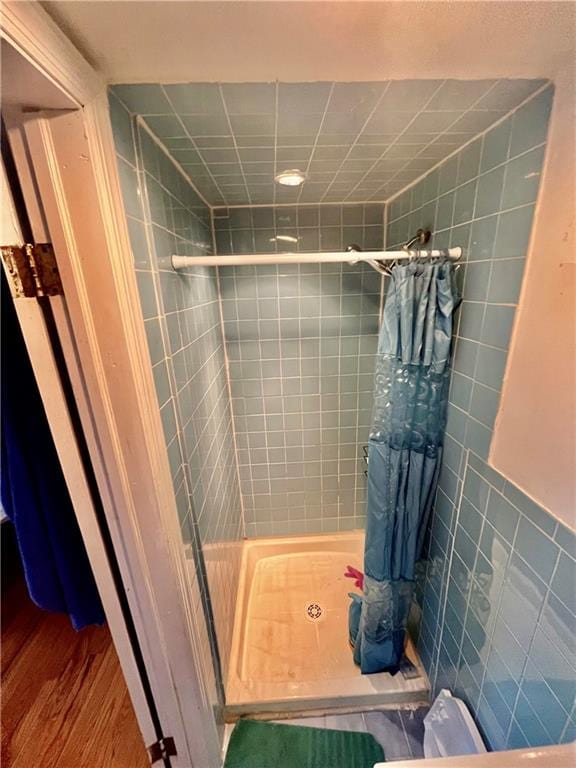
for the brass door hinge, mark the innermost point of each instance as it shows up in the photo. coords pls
(162, 749)
(31, 270)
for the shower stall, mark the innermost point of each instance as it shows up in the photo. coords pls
(262, 306)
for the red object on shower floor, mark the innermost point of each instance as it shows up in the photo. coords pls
(354, 573)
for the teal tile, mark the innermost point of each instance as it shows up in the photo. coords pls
(468, 161)
(497, 326)
(445, 211)
(491, 475)
(461, 391)
(165, 126)
(536, 549)
(155, 342)
(556, 670)
(477, 281)
(495, 145)
(303, 98)
(459, 94)
(188, 156)
(522, 599)
(448, 175)
(430, 186)
(564, 580)
(431, 122)
(509, 649)
(202, 141)
(196, 99)
(122, 130)
(506, 281)
(544, 703)
(478, 438)
(147, 294)
(168, 421)
(476, 490)
(566, 539)
(464, 203)
(489, 192)
(523, 179)
(499, 709)
(490, 367)
(508, 93)
(130, 189)
(406, 95)
(503, 516)
(465, 357)
(355, 97)
(250, 98)
(219, 155)
(161, 382)
(138, 242)
(253, 125)
(475, 121)
(143, 99)
(558, 624)
(206, 125)
(529, 723)
(514, 230)
(530, 123)
(465, 548)
(530, 509)
(482, 237)
(471, 317)
(484, 404)
(516, 738)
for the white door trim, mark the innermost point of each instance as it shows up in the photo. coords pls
(114, 385)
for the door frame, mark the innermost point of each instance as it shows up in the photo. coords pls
(115, 388)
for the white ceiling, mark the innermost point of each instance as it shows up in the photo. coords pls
(238, 41)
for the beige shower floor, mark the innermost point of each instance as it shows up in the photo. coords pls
(284, 639)
(290, 648)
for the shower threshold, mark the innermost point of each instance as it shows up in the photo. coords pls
(290, 650)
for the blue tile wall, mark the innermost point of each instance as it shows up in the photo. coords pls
(357, 142)
(496, 597)
(182, 319)
(301, 341)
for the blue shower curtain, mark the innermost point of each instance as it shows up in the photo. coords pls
(405, 452)
(33, 491)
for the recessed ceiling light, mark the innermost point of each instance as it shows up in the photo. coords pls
(291, 178)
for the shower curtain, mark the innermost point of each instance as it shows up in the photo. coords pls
(404, 454)
(33, 490)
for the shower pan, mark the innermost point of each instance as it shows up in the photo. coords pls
(290, 650)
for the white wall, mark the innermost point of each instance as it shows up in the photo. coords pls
(295, 41)
(535, 437)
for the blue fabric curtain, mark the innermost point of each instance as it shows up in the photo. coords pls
(404, 454)
(34, 493)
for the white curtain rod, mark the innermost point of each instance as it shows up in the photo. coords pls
(350, 257)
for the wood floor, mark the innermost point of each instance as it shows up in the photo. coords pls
(64, 700)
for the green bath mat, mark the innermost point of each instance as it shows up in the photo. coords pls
(256, 744)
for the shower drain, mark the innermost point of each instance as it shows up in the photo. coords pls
(313, 612)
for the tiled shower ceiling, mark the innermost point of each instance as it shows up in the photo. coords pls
(356, 142)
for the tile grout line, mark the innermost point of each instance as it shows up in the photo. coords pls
(479, 175)
(396, 140)
(322, 121)
(365, 123)
(143, 122)
(446, 132)
(448, 565)
(412, 184)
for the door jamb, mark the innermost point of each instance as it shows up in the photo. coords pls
(125, 437)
